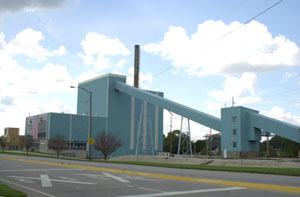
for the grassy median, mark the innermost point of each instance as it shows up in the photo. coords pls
(262, 170)
(9, 192)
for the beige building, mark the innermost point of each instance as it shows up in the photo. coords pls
(14, 140)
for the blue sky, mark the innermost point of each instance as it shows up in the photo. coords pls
(46, 46)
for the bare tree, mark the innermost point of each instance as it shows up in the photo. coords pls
(28, 142)
(107, 144)
(58, 144)
(3, 142)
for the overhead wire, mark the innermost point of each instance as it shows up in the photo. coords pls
(228, 33)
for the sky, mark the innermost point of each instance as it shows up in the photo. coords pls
(208, 49)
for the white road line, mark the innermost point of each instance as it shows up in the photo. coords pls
(46, 182)
(186, 192)
(155, 190)
(104, 177)
(54, 180)
(28, 188)
(116, 178)
(33, 170)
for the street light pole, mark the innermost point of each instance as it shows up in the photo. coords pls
(90, 120)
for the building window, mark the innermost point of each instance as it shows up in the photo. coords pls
(233, 144)
(233, 118)
(78, 145)
(233, 131)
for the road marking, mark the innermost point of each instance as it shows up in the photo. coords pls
(28, 188)
(46, 182)
(144, 188)
(104, 177)
(266, 187)
(186, 192)
(67, 178)
(116, 178)
(53, 180)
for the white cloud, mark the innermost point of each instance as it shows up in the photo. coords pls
(251, 48)
(287, 76)
(243, 90)
(144, 78)
(211, 105)
(21, 87)
(280, 114)
(86, 76)
(120, 63)
(27, 42)
(98, 51)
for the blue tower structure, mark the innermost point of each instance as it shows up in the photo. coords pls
(124, 115)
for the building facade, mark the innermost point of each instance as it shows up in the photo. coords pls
(138, 124)
(14, 141)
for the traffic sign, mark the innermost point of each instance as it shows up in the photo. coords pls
(91, 141)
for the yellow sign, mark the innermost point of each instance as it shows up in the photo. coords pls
(91, 141)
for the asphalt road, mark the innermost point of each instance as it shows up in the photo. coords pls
(54, 177)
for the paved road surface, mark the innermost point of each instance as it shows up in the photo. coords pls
(54, 177)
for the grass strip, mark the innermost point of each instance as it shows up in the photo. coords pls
(261, 170)
(8, 191)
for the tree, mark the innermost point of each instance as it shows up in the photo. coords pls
(3, 142)
(198, 146)
(171, 142)
(107, 144)
(287, 147)
(58, 144)
(28, 142)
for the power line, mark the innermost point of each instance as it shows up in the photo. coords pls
(228, 33)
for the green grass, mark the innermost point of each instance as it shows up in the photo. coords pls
(261, 170)
(7, 191)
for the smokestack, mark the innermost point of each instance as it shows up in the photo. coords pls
(136, 65)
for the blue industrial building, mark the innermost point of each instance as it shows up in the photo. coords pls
(136, 117)
(137, 123)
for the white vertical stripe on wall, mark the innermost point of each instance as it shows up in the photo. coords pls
(132, 123)
(156, 127)
(145, 126)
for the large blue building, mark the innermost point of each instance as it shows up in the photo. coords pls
(136, 117)
(137, 123)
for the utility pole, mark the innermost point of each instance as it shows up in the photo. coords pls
(210, 144)
(171, 134)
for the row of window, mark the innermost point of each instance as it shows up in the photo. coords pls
(78, 145)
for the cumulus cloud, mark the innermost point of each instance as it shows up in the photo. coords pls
(144, 78)
(20, 86)
(287, 76)
(251, 48)
(243, 90)
(98, 51)
(27, 42)
(280, 114)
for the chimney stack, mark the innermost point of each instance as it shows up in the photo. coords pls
(136, 65)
